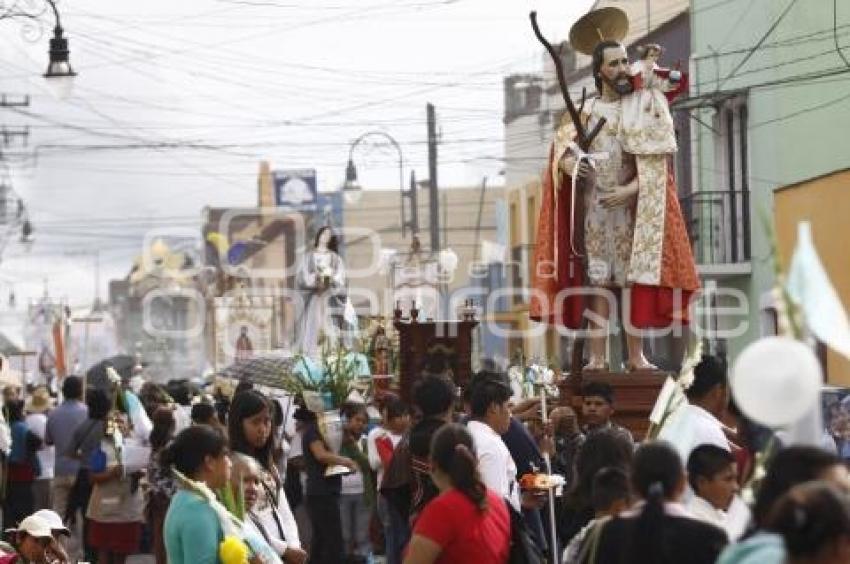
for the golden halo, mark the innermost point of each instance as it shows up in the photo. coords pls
(599, 25)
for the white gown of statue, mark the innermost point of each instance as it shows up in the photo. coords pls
(326, 310)
(646, 127)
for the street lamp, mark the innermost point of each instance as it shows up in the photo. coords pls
(352, 190)
(59, 74)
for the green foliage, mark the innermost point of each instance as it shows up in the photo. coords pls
(339, 374)
(235, 504)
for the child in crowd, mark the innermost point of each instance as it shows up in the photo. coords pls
(381, 443)
(713, 476)
(610, 496)
(357, 493)
(203, 413)
(597, 407)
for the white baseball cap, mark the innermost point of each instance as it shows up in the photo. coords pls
(53, 520)
(35, 527)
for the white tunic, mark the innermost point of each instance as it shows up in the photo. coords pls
(691, 426)
(495, 464)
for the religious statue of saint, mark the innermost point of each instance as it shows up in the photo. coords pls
(326, 313)
(380, 351)
(610, 224)
(244, 347)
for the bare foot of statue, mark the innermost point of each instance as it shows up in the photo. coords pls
(597, 364)
(640, 365)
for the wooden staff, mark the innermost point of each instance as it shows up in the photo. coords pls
(553, 538)
(583, 138)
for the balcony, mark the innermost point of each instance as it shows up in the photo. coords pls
(718, 224)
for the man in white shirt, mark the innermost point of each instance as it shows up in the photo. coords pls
(490, 408)
(698, 422)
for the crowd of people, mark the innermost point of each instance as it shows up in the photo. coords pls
(433, 481)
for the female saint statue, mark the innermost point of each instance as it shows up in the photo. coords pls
(327, 316)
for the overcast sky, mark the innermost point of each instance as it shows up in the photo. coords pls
(217, 85)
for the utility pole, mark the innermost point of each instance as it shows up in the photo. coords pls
(8, 134)
(433, 197)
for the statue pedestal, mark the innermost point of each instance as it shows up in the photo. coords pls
(419, 343)
(634, 395)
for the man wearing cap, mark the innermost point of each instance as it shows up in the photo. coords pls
(33, 542)
(631, 237)
(58, 530)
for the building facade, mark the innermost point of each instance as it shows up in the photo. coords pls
(769, 109)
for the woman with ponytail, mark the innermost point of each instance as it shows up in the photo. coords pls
(814, 521)
(658, 530)
(467, 522)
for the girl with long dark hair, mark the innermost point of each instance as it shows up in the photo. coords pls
(466, 522)
(192, 528)
(250, 433)
(658, 530)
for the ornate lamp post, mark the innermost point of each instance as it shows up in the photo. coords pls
(59, 72)
(352, 190)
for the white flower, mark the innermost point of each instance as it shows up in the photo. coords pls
(515, 374)
(686, 375)
(539, 375)
(114, 377)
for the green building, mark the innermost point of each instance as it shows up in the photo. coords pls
(770, 107)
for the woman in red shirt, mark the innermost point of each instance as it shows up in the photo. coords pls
(467, 522)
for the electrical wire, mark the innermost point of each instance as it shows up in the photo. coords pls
(758, 43)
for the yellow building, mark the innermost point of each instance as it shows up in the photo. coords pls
(825, 202)
(536, 342)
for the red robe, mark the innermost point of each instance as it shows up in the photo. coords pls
(554, 272)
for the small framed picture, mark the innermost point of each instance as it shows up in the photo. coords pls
(835, 403)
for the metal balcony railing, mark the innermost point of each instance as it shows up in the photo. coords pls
(718, 224)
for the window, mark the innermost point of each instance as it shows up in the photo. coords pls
(731, 198)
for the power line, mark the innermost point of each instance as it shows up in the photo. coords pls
(758, 44)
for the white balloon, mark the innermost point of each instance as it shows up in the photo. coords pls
(776, 381)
